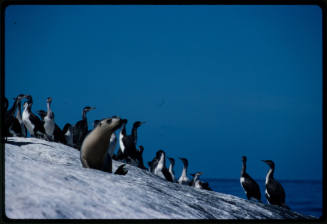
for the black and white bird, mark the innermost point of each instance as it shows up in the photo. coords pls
(128, 151)
(250, 187)
(20, 120)
(128, 143)
(80, 129)
(153, 163)
(196, 183)
(274, 192)
(58, 133)
(140, 158)
(171, 168)
(183, 179)
(68, 134)
(161, 169)
(121, 151)
(31, 121)
(136, 125)
(12, 124)
(49, 123)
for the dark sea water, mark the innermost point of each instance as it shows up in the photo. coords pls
(302, 196)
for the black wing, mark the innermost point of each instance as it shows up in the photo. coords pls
(251, 187)
(37, 122)
(140, 159)
(121, 170)
(205, 185)
(130, 148)
(79, 132)
(15, 126)
(59, 135)
(65, 129)
(167, 174)
(276, 193)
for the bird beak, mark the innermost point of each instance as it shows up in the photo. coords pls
(143, 122)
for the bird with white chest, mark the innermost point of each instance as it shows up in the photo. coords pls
(31, 121)
(171, 168)
(49, 123)
(183, 179)
(161, 169)
(250, 187)
(274, 192)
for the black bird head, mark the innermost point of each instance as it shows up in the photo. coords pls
(158, 154)
(29, 99)
(41, 113)
(138, 124)
(123, 122)
(88, 108)
(244, 158)
(270, 163)
(172, 161)
(185, 161)
(196, 174)
(67, 127)
(49, 100)
(20, 97)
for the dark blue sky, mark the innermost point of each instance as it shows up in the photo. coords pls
(213, 83)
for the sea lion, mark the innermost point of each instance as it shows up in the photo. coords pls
(94, 147)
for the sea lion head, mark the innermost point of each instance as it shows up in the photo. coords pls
(110, 124)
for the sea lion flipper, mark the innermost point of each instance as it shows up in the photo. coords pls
(84, 163)
(121, 170)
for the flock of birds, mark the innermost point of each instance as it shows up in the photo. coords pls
(44, 126)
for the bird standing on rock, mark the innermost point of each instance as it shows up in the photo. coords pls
(80, 129)
(274, 192)
(249, 185)
(31, 121)
(183, 179)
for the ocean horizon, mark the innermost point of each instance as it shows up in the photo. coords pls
(303, 196)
